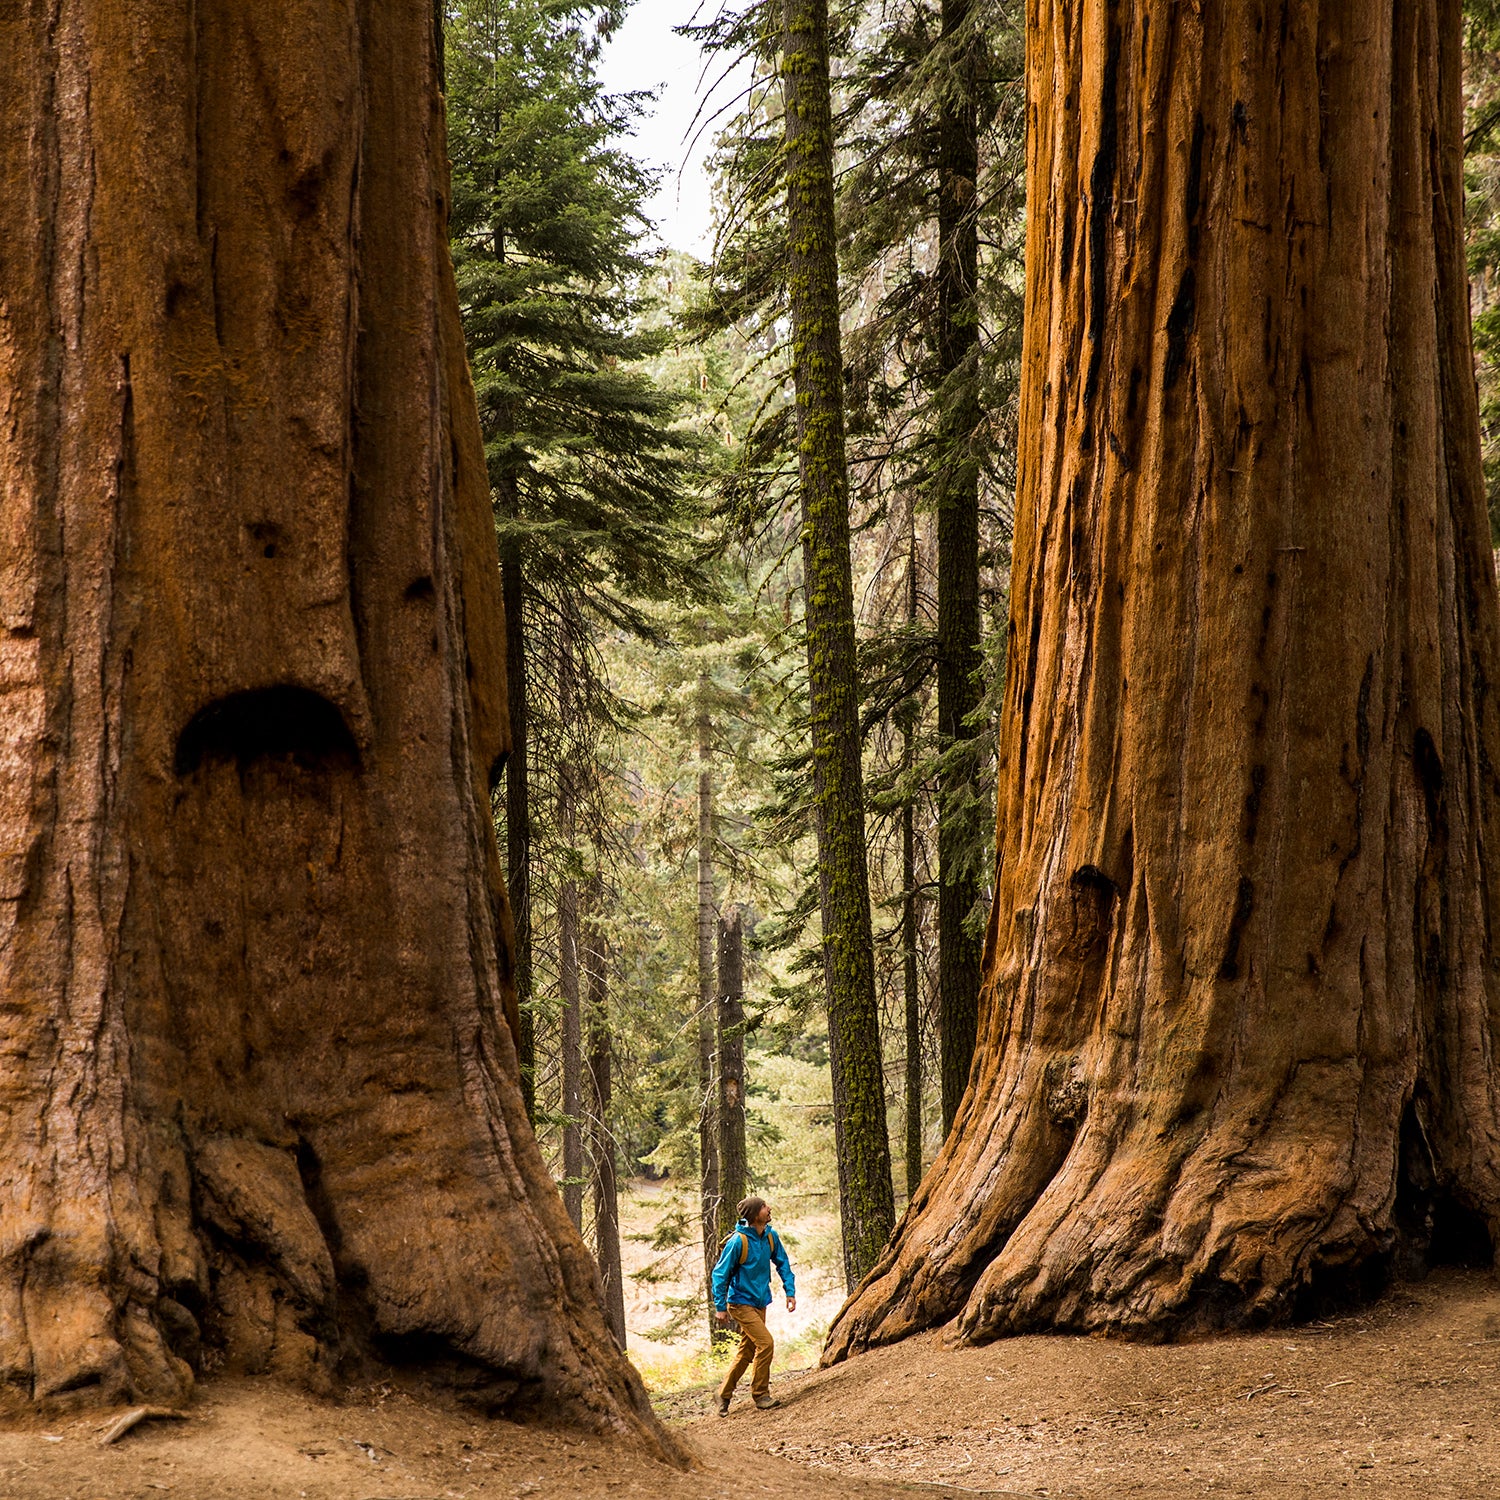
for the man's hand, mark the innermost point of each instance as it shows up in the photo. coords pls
(721, 1316)
(791, 1304)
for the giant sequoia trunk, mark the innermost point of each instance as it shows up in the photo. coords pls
(1239, 1015)
(259, 1090)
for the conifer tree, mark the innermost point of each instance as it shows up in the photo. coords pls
(934, 129)
(817, 371)
(588, 475)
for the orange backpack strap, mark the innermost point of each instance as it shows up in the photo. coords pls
(744, 1246)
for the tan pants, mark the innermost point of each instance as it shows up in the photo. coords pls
(755, 1343)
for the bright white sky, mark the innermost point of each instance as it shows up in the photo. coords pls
(647, 54)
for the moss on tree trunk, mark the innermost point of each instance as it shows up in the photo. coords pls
(956, 485)
(864, 1154)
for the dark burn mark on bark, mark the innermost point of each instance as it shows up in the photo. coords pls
(1260, 699)
(310, 1173)
(1093, 896)
(1132, 399)
(1079, 555)
(1180, 327)
(1028, 689)
(1101, 209)
(1356, 781)
(264, 722)
(1434, 1226)
(1239, 120)
(1429, 769)
(1195, 185)
(1181, 319)
(1244, 904)
(1332, 927)
(1091, 878)
(1252, 803)
(265, 538)
(1362, 713)
(1265, 614)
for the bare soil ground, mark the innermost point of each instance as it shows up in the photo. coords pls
(1398, 1400)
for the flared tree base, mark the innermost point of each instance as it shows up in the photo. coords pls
(1176, 1217)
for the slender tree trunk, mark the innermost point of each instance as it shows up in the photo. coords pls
(601, 1139)
(957, 471)
(567, 961)
(708, 1136)
(864, 1153)
(260, 1096)
(732, 1166)
(518, 817)
(1240, 998)
(910, 993)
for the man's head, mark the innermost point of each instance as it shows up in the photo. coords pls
(755, 1212)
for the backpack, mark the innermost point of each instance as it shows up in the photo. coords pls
(744, 1240)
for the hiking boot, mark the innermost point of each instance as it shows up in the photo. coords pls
(766, 1402)
(723, 1406)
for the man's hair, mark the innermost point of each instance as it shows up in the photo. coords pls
(748, 1208)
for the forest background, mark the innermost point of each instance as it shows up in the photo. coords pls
(637, 405)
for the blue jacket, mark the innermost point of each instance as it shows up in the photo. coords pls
(749, 1285)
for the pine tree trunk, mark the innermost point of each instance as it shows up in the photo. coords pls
(260, 1095)
(1240, 991)
(732, 1166)
(911, 995)
(601, 1140)
(864, 1153)
(518, 817)
(708, 1133)
(957, 476)
(567, 958)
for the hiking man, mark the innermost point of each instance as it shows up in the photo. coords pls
(742, 1291)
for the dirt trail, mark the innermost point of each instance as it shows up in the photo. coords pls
(254, 1440)
(1400, 1400)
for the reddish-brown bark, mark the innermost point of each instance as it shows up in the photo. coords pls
(259, 1096)
(1241, 998)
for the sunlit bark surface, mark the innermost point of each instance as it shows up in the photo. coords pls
(259, 1104)
(1240, 1002)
